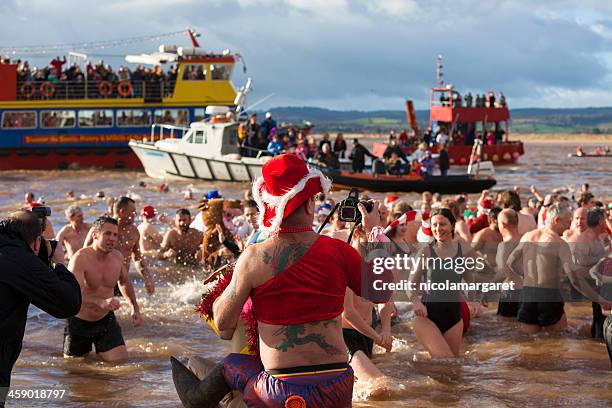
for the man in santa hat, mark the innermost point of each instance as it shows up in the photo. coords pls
(296, 280)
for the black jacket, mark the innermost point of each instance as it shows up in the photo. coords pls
(444, 161)
(25, 279)
(358, 155)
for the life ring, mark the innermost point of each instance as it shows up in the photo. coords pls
(124, 88)
(47, 89)
(105, 88)
(27, 90)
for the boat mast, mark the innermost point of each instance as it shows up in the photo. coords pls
(439, 73)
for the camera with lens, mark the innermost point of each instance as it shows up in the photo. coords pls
(347, 208)
(42, 212)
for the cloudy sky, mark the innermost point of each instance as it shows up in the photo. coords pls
(357, 54)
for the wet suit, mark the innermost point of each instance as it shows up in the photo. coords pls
(25, 280)
(443, 307)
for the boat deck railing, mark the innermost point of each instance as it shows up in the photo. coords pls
(94, 89)
(161, 132)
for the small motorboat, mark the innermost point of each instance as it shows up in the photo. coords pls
(598, 152)
(453, 184)
(479, 177)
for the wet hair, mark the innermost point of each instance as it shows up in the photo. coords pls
(494, 213)
(584, 198)
(452, 206)
(461, 200)
(446, 213)
(25, 225)
(401, 207)
(510, 199)
(183, 211)
(594, 217)
(72, 210)
(99, 223)
(122, 203)
(249, 204)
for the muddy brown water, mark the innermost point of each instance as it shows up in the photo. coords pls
(499, 367)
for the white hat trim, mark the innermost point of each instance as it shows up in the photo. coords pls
(263, 198)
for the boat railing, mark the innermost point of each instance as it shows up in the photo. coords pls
(248, 151)
(150, 90)
(161, 131)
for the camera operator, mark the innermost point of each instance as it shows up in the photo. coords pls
(25, 279)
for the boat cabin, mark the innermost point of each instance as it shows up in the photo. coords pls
(468, 115)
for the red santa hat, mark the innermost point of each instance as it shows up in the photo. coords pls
(389, 200)
(485, 205)
(406, 217)
(424, 233)
(286, 183)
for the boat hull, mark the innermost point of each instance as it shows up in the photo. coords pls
(68, 158)
(504, 153)
(175, 165)
(454, 184)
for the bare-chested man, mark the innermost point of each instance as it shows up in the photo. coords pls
(545, 258)
(98, 269)
(72, 236)
(511, 199)
(487, 239)
(588, 251)
(578, 225)
(508, 224)
(150, 238)
(128, 242)
(181, 244)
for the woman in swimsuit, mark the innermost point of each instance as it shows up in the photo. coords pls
(437, 322)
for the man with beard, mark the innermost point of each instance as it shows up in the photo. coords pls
(181, 244)
(98, 269)
(72, 236)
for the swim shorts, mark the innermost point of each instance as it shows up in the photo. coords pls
(79, 335)
(355, 341)
(509, 302)
(320, 386)
(540, 306)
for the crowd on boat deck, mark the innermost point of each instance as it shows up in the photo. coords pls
(58, 72)
(487, 100)
(496, 227)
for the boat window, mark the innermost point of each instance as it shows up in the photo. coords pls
(178, 117)
(198, 137)
(230, 140)
(194, 72)
(96, 118)
(199, 114)
(19, 120)
(57, 119)
(220, 72)
(133, 117)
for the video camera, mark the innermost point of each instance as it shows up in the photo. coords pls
(347, 208)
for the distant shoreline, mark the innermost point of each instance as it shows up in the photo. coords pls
(574, 138)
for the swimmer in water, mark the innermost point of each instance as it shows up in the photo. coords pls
(72, 236)
(98, 269)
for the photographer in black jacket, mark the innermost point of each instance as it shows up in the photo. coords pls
(25, 279)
